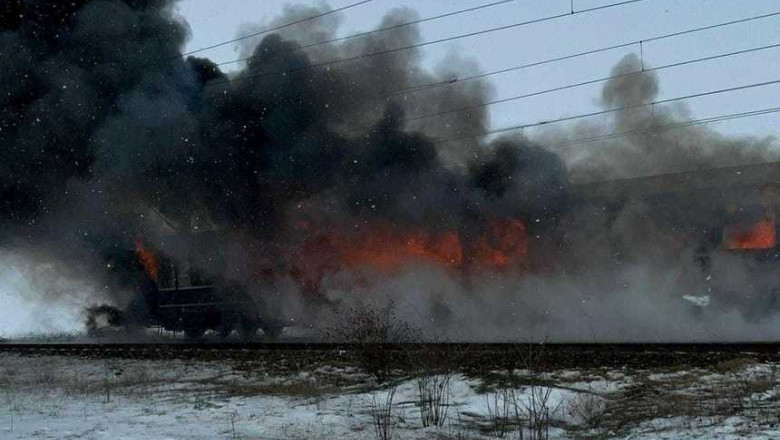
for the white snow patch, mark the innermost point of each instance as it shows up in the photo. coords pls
(701, 301)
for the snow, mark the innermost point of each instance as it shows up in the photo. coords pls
(701, 301)
(55, 397)
(662, 377)
(172, 400)
(680, 428)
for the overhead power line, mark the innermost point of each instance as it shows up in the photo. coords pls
(614, 110)
(661, 128)
(422, 44)
(714, 119)
(572, 86)
(590, 82)
(421, 87)
(384, 29)
(276, 28)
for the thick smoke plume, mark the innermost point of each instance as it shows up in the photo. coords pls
(649, 152)
(109, 137)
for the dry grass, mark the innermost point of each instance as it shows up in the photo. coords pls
(734, 365)
(292, 389)
(698, 397)
(587, 409)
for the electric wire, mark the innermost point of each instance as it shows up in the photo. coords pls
(417, 88)
(417, 45)
(572, 86)
(384, 29)
(608, 111)
(276, 28)
(703, 121)
(659, 128)
(421, 87)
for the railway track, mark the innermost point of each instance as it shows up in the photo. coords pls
(467, 355)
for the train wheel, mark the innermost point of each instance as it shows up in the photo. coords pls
(273, 331)
(225, 328)
(194, 332)
(247, 328)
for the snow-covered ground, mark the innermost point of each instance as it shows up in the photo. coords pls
(56, 397)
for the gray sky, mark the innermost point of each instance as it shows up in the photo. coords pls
(213, 21)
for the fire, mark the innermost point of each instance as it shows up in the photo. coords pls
(387, 251)
(760, 235)
(147, 260)
(503, 246)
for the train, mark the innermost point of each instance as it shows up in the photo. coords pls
(183, 289)
(727, 215)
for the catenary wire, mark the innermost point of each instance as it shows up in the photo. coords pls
(659, 128)
(572, 86)
(683, 124)
(276, 28)
(418, 45)
(608, 111)
(427, 86)
(384, 29)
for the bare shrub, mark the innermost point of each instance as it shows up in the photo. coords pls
(373, 324)
(433, 398)
(372, 329)
(111, 374)
(435, 366)
(587, 409)
(10, 398)
(532, 356)
(500, 405)
(528, 414)
(381, 410)
(536, 407)
(233, 419)
(457, 431)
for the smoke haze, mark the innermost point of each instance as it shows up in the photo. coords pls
(108, 136)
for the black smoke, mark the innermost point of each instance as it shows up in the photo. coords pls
(108, 136)
(105, 126)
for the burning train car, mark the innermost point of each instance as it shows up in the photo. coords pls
(183, 288)
(723, 213)
(738, 205)
(726, 211)
(98, 131)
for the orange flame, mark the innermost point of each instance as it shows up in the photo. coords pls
(386, 251)
(147, 260)
(506, 243)
(760, 235)
(502, 247)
